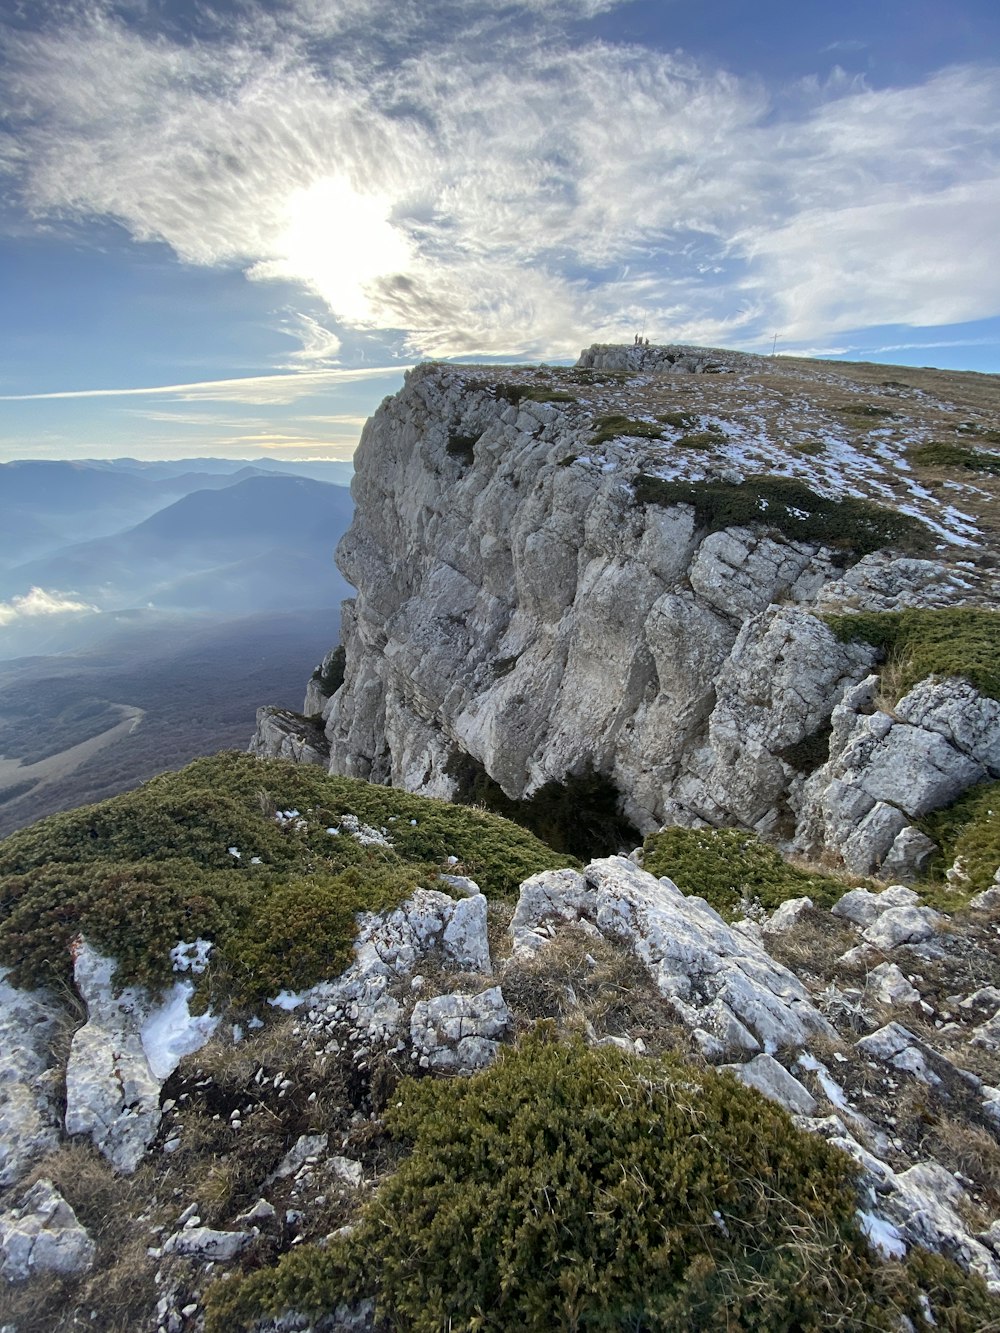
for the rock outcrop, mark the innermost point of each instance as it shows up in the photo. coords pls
(526, 601)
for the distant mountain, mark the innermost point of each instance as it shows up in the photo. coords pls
(263, 542)
(47, 504)
(336, 471)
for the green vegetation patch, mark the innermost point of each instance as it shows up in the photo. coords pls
(702, 439)
(952, 456)
(990, 433)
(568, 1188)
(921, 642)
(969, 830)
(679, 420)
(139, 872)
(611, 427)
(331, 675)
(789, 507)
(537, 393)
(729, 867)
(580, 816)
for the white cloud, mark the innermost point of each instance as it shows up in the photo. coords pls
(254, 389)
(504, 190)
(39, 602)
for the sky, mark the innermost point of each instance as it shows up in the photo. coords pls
(228, 228)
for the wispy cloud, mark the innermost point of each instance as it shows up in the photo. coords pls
(512, 189)
(39, 602)
(259, 389)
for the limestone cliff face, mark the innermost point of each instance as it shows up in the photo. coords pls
(524, 601)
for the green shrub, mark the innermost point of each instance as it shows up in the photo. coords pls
(701, 439)
(679, 420)
(303, 929)
(789, 507)
(990, 433)
(331, 676)
(951, 456)
(811, 448)
(611, 427)
(141, 871)
(922, 642)
(538, 393)
(969, 828)
(728, 866)
(572, 1189)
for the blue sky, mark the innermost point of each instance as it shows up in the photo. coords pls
(228, 228)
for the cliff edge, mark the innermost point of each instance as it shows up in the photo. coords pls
(644, 565)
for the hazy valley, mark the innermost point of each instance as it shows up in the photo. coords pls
(145, 611)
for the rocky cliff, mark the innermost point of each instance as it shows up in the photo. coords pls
(637, 565)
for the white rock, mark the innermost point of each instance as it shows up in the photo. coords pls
(459, 1032)
(307, 1145)
(987, 1034)
(786, 917)
(889, 986)
(121, 1056)
(722, 983)
(765, 1074)
(207, 1243)
(43, 1236)
(903, 925)
(28, 1114)
(863, 907)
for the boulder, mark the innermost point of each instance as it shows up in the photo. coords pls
(43, 1236)
(459, 1032)
(724, 985)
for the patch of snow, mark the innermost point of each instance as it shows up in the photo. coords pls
(171, 1031)
(287, 1000)
(190, 955)
(882, 1236)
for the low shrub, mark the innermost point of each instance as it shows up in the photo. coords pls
(969, 830)
(139, 872)
(952, 456)
(570, 1189)
(922, 642)
(679, 420)
(728, 867)
(789, 507)
(612, 427)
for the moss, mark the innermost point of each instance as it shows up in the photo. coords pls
(789, 507)
(922, 642)
(954, 456)
(139, 872)
(331, 675)
(611, 427)
(568, 1188)
(727, 867)
(969, 830)
(811, 448)
(537, 393)
(581, 815)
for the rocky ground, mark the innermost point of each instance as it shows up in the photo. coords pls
(189, 1148)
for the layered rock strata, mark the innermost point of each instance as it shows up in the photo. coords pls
(523, 603)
